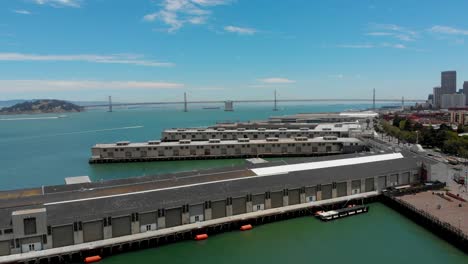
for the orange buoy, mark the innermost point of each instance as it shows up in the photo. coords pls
(246, 227)
(92, 259)
(201, 237)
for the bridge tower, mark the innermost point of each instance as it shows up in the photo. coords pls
(373, 101)
(228, 106)
(275, 107)
(185, 102)
(110, 103)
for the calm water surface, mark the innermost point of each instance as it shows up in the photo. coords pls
(39, 152)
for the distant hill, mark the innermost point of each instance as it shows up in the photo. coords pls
(8, 103)
(41, 106)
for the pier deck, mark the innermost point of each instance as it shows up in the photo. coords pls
(449, 212)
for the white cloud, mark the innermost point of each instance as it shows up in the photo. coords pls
(357, 46)
(109, 59)
(59, 3)
(14, 86)
(448, 30)
(336, 76)
(394, 31)
(177, 13)
(395, 46)
(22, 12)
(276, 80)
(240, 30)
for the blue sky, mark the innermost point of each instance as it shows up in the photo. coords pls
(145, 50)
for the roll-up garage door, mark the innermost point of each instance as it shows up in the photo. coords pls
(218, 209)
(258, 199)
(239, 206)
(294, 197)
(276, 199)
(326, 191)
(92, 231)
(414, 177)
(382, 184)
(370, 184)
(405, 178)
(62, 236)
(148, 218)
(341, 189)
(173, 217)
(4, 248)
(121, 226)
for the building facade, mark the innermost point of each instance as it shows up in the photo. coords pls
(449, 82)
(453, 101)
(437, 97)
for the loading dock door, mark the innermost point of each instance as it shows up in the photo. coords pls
(218, 209)
(405, 178)
(92, 231)
(370, 184)
(239, 206)
(4, 248)
(382, 184)
(326, 191)
(148, 221)
(173, 217)
(121, 226)
(341, 189)
(62, 236)
(276, 199)
(294, 197)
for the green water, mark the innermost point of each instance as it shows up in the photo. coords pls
(45, 151)
(381, 236)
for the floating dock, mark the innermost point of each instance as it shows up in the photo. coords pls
(344, 212)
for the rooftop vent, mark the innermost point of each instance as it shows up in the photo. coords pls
(261, 129)
(201, 129)
(243, 140)
(154, 142)
(300, 138)
(214, 140)
(122, 143)
(304, 128)
(185, 141)
(241, 129)
(181, 129)
(330, 138)
(272, 139)
(221, 129)
(282, 129)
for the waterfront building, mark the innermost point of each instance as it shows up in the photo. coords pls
(198, 134)
(156, 150)
(452, 101)
(459, 116)
(449, 82)
(324, 117)
(66, 219)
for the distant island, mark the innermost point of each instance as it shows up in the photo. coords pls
(40, 107)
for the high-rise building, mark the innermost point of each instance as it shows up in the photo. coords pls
(452, 101)
(465, 91)
(436, 98)
(449, 82)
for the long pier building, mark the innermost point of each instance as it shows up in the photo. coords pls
(337, 130)
(56, 222)
(156, 150)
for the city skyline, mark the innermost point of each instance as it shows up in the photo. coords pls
(227, 49)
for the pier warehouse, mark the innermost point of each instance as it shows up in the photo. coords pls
(64, 219)
(338, 130)
(216, 148)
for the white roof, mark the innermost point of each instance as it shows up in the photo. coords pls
(77, 179)
(324, 164)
